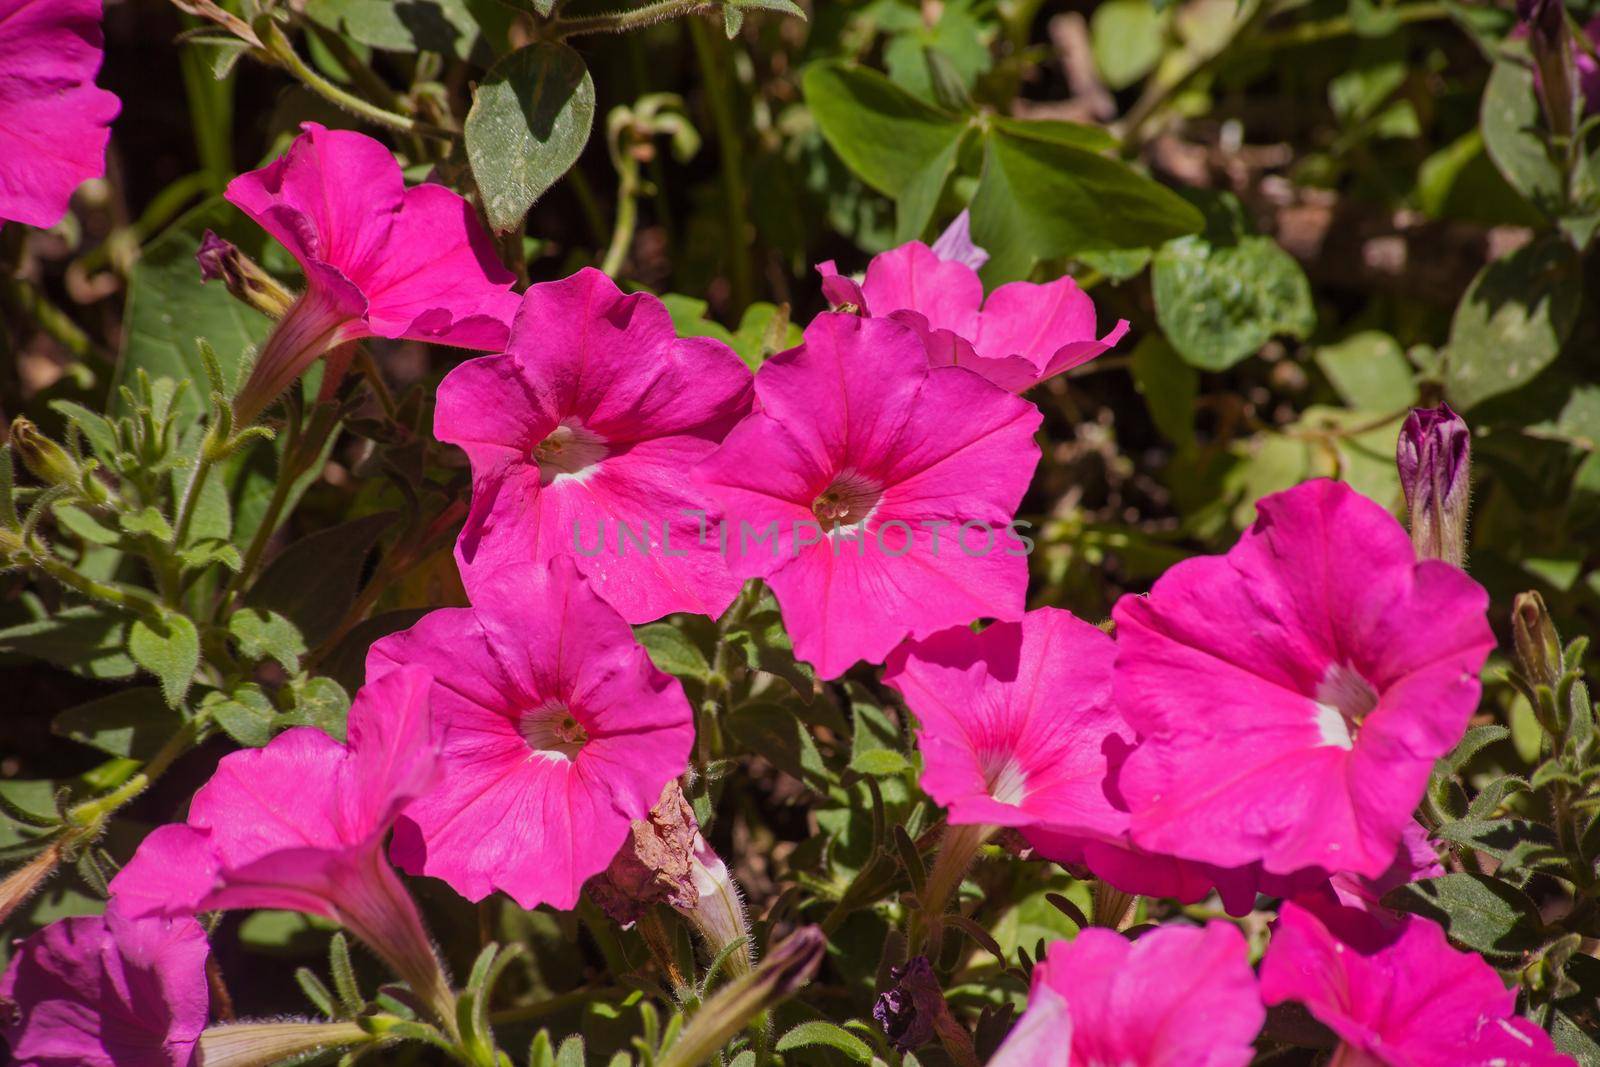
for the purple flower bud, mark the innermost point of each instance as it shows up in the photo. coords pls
(908, 1012)
(212, 254)
(221, 260)
(1434, 454)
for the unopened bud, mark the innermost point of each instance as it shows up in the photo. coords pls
(1434, 456)
(1554, 62)
(45, 460)
(221, 260)
(260, 1044)
(789, 967)
(1538, 645)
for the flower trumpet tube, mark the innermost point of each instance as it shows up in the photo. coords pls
(254, 1044)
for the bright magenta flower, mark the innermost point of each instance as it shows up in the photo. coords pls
(1398, 996)
(581, 437)
(107, 991)
(54, 121)
(300, 825)
(1179, 996)
(1292, 696)
(561, 734)
(380, 259)
(874, 493)
(1015, 722)
(1021, 335)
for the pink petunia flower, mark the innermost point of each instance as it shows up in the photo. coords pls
(300, 825)
(1016, 722)
(107, 991)
(581, 437)
(1179, 996)
(875, 494)
(1023, 334)
(54, 121)
(1398, 995)
(562, 733)
(380, 260)
(1292, 696)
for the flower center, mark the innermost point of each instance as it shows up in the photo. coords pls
(1007, 782)
(848, 501)
(1343, 699)
(552, 729)
(571, 451)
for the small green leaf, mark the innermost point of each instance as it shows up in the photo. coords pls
(1219, 303)
(1369, 370)
(826, 1035)
(266, 633)
(168, 648)
(246, 714)
(319, 702)
(146, 522)
(673, 652)
(1126, 38)
(133, 723)
(1513, 320)
(1509, 118)
(89, 640)
(1477, 911)
(881, 762)
(571, 1053)
(529, 121)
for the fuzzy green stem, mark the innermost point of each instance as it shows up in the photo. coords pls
(282, 52)
(956, 853)
(628, 19)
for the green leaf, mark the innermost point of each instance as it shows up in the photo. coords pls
(1516, 843)
(169, 306)
(826, 1035)
(319, 702)
(1169, 386)
(133, 723)
(779, 735)
(313, 582)
(266, 633)
(1476, 740)
(146, 522)
(1126, 39)
(959, 42)
(671, 651)
(880, 762)
(1043, 199)
(1509, 118)
(448, 27)
(1219, 303)
(570, 1054)
(1054, 131)
(246, 714)
(529, 121)
(168, 648)
(1477, 911)
(88, 640)
(895, 142)
(1369, 370)
(1513, 320)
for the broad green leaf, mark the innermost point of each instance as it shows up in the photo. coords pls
(529, 121)
(1169, 386)
(89, 640)
(1054, 131)
(826, 1035)
(671, 651)
(880, 762)
(313, 582)
(246, 714)
(1516, 843)
(1509, 118)
(168, 648)
(1218, 304)
(450, 27)
(169, 306)
(266, 633)
(779, 735)
(1369, 370)
(1477, 911)
(133, 723)
(1126, 38)
(1512, 321)
(1041, 199)
(897, 143)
